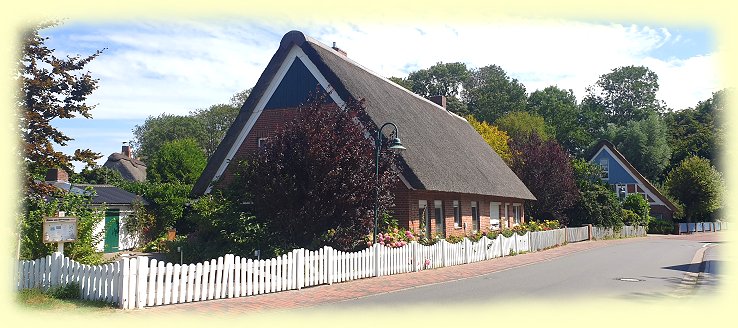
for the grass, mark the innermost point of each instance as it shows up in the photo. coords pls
(35, 299)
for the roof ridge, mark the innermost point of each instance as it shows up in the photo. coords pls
(346, 58)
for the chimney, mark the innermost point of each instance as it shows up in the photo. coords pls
(57, 175)
(339, 50)
(439, 100)
(126, 149)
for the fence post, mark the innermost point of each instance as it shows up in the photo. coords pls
(589, 231)
(376, 259)
(122, 284)
(484, 249)
(466, 250)
(443, 252)
(329, 263)
(143, 268)
(414, 254)
(300, 268)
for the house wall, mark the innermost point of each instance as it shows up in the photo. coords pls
(664, 211)
(617, 173)
(266, 126)
(407, 208)
(125, 240)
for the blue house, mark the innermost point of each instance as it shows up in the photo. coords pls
(625, 179)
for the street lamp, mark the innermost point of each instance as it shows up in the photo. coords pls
(395, 144)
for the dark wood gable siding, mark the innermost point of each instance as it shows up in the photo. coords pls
(295, 88)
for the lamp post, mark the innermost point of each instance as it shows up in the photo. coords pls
(394, 145)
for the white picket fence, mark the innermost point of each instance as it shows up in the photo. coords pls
(138, 282)
(599, 233)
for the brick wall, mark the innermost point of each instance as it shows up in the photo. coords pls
(407, 208)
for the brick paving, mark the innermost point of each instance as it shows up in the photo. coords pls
(337, 292)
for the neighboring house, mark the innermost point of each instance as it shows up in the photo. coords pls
(118, 205)
(130, 168)
(449, 176)
(625, 179)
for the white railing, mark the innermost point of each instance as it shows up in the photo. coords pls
(577, 234)
(138, 282)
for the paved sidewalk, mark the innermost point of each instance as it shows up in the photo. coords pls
(324, 294)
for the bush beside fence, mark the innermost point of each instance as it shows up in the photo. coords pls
(137, 282)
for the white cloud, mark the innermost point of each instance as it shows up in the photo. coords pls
(152, 68)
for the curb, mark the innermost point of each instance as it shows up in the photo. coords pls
(692, 277)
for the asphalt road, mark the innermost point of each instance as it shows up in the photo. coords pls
(647, 269)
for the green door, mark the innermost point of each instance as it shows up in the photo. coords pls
(111, 230)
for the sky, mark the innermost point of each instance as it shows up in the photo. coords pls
(149, 68)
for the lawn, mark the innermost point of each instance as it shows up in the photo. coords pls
(35, 299)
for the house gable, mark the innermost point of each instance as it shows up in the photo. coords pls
(622, 172)
(291, 86)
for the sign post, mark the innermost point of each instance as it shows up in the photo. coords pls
(59, 230)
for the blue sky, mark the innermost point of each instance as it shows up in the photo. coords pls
(174, 67)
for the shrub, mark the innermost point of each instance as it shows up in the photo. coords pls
(660, 226)
(69, 291)
(492, 234)
(454, 239)
(507, 232)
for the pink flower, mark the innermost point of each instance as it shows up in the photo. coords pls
(369, 243)
(394, 244)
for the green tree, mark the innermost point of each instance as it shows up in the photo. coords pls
(698, 131)
(167, 202)
(560, 111)
(313, 183)
(214, 123)
(441, 79)
(597, 203)
(97, 175)
(180, 161)
(495, 138)
(156, 131)
(50, 88)
(520, 125)
(239, 98)
(489, 93)
(626, 94)
(644, 143)
(640, 207)
(697, 185)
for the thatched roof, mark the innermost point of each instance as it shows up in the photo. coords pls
(444, 153)
(130, 168)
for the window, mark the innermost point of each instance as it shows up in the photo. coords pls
(605, 164)
(423, 217)
(261, 142)
(475, 216)
(517, 213)
(457, 214)
(438, 214)
(494, 215)
(621, 190)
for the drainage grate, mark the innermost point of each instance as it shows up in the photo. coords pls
(630, 279)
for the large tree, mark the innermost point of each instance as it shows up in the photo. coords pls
(489, 93)
(546, 170)
(495, 138)
(698, 131)
(560, 111)
(313, 182)
(180, 161)
(50, 88)
(214, 123)
(644, 144)
(156, 131)
(626, 94)
(520, 125)
(697, 185)
(441, 79)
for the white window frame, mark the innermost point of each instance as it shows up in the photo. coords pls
(440, 226)
(494, 215)
(457, 213)
(261, 142)
(475, 216)
(423, 205)
(517, 213)
(605, 165)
